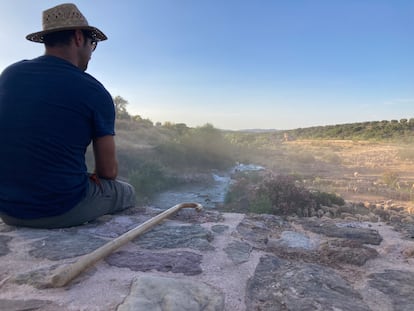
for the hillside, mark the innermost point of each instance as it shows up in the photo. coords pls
(165, 155)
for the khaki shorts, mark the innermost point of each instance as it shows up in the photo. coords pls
(103, 197)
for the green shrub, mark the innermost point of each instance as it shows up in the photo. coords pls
(261, 204)
(278, 195)
(327, 199)
(285, 197)
(149, 179)
(237, 190)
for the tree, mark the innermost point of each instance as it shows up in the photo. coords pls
(120, 108)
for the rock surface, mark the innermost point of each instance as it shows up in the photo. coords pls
(162, 293)
(279, 284)
(213, 261)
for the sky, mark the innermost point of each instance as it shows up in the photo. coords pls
(242, 64)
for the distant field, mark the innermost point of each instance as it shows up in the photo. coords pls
(358, 170)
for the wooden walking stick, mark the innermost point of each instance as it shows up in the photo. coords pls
(64, 274)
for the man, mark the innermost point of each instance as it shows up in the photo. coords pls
(50, 111)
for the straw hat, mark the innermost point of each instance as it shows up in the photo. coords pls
(64, 17)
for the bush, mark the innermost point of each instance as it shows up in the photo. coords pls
(278, 195)
(327, 199)
(285, 197)
(261, 204)
(149, 179)
(237, 191)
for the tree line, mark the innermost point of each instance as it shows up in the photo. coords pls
(385, 130)
(374, 130)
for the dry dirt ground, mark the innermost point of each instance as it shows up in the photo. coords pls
(356, 170)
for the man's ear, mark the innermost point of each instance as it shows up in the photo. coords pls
(79, 37)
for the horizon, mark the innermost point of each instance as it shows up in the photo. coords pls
(242, 64)
(307, 127)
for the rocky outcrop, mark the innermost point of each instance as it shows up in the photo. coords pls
(163, 293)
(214, 261)
(184, 262)
(279, 284)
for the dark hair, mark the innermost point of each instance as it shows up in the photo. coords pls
(58, 38)
(87, 33)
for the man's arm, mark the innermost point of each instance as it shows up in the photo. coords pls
(106, 164)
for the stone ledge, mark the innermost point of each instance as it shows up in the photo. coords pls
(221, 260)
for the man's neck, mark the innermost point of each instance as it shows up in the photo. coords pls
(64, 53)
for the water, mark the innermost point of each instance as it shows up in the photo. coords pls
(208, 195)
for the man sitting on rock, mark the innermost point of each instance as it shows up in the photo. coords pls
(50, 111)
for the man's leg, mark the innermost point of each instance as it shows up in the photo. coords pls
(103, 197)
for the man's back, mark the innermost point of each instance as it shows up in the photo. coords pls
(49, 112)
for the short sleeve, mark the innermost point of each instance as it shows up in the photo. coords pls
(103, 114)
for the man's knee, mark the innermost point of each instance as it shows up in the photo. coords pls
(128, 193)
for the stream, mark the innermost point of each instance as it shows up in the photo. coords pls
(209, 195)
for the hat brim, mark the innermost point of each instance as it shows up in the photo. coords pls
(39, 36)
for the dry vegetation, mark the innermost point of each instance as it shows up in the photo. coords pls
(309, 178)
(356, 170)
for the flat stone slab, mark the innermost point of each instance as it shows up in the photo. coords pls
(333, 252)
(184, 262)
(219, 228)
(238, 252)
(349, 252)
(277, 284)
(176, 236)
(60, 245)
(206, 263)
(292, 239)
(168, 294)
(349, 231)
(27, 305)
(407, 229)
(257, 228)
(397, 285)
(113, 227)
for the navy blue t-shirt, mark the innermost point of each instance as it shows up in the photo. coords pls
(50, 110)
